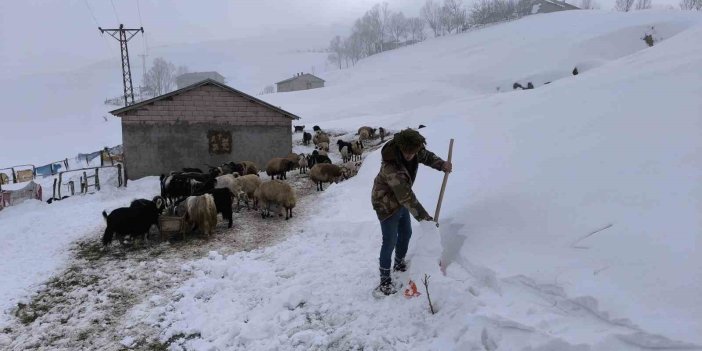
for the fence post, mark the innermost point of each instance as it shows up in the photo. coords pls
(119, 175)
(53, 193)
(97, 180)
(60, 184)
(84, 186)
(14, 176)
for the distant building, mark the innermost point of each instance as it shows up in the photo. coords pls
(187, 79)
(532, 7)
(207, 123)
(301, 81)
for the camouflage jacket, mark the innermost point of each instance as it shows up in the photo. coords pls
(392, 187)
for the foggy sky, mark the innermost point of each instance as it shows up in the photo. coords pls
(58, 35)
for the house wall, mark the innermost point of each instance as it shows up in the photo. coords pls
(300, 83)
(172, 134)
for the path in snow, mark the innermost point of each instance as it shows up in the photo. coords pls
(83, 308)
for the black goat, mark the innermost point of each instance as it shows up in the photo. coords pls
(306, 138)
(135, 220)
(315, 158)
(299, 128)
(194, 170)
(317, 129)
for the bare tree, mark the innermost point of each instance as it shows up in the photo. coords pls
(623, 5)
(269, 89)
(643, 4)
(398, 26)
(491, 11)
(431, 13)
(160, 77)
(416, 28)
(589, 5)
(337, 51)
(453, 16)
(691, 5)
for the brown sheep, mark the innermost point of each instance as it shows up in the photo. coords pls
(250, 167)
(324, 146)
(275, 192)
(294, 158)
(367, 131)
(248, 185)
(320, 138)
(279, 167)
(201, 212)
(326, 173)
(356, 150)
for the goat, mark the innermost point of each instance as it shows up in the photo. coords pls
(306, 137)
(316, 158)
(223, 203)
(201, 211)
(299, 128)
(317, 129)
(135, 220)
(275, 192)
(192, 170)
(381, 131)
(326, 173)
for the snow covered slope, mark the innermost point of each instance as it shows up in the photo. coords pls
(571, 220)
(577, 200)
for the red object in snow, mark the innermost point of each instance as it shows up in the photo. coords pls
(412, 290)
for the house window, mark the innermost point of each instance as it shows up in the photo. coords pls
(219, 142)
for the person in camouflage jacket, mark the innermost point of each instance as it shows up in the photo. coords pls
(393, 199)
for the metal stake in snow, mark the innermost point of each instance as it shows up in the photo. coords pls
(443, 187)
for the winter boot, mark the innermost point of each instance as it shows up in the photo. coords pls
(386, 287)
(400, 265)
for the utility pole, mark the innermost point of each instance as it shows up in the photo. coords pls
(121, 35)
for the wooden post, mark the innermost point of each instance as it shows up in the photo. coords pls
(443, 186)
(60, 184)
(53, 193)
(119, 175)
(97, 180)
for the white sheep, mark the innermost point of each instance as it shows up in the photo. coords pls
(201, 212)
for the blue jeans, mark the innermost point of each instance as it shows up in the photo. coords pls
(397, 231)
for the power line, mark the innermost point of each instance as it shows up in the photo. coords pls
(115, 11)
(91, 13)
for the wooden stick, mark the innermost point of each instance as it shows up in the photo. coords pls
(443, 186)
(426, 287)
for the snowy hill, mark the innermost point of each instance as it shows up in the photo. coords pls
(571, 220)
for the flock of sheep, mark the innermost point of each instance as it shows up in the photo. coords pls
(197, 197)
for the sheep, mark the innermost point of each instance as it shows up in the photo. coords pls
(201, 212)
(321, 152)
(279, 167)
(247, 185)
(293, 157)
(345, 155)
(302, 163)
(299, 128)
(366, 133)
(325, 173)
(381, 131)
(323, 146)
(340, 143)
(320, 138)
(306, 137)
(134, 220)
(275, 192)
(250, 167)
(356, 150)
(351, 168)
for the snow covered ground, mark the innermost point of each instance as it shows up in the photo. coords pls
(571, 220)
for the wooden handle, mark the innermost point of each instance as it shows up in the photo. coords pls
(443, 186)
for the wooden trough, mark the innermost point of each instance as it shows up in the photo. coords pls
(171, 225)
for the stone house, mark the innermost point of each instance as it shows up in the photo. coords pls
(206, 123)
(300, 81)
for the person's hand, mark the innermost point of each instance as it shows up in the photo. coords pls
(447, 167)
(428, 218)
